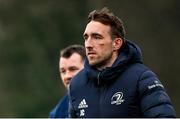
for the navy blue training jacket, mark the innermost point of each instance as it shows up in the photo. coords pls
(61, 109)
(127, 89)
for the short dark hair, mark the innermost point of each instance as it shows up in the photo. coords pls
(68, 51)
(108, 18)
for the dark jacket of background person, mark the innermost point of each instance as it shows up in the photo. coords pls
(127, 89)
(71, 61)
(61, 109)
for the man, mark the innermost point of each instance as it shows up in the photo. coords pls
(114, 82)
(70, 63)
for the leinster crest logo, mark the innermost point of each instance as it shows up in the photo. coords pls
(117, 98)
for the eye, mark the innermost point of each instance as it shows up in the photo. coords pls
(73, 68)
(97, 36)
(62, 71)
(85, 36)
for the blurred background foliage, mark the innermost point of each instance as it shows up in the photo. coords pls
(33, 31)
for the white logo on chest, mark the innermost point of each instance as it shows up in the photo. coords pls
(82, 105)
(82, 112)
(117, 98)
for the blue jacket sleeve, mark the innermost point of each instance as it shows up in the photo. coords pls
(72, 113)
(154, 101)
(61, 109)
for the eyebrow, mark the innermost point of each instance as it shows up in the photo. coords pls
(92, 34)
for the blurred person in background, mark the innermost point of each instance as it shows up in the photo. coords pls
(114, 82)
(70, 63)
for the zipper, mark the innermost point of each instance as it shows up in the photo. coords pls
(100, 88)
(98, 78)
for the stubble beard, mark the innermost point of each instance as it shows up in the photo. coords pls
(100, 62)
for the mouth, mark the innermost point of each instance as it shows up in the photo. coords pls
(67, 82)
(91, 53)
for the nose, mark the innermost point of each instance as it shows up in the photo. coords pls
(88, 43)
(68, 76)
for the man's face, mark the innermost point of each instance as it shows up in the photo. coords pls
(98, 44)
(69, 67)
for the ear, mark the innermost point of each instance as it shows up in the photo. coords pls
(117, 43)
